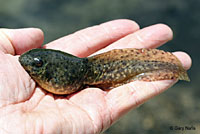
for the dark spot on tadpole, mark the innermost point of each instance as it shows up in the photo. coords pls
(122, 56)
(124, 63)
(127, 56)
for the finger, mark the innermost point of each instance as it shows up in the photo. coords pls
(17, 41)
(149, 37)
(185, 59)
(126, 97)
(89, 40)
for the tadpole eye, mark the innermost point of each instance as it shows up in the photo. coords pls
(38, 62)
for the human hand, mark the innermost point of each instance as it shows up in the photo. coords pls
(26, 108)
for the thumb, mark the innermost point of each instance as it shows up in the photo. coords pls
(17, 41)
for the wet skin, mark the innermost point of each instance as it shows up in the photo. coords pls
(63, 73)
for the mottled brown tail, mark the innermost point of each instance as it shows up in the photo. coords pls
(120, 66)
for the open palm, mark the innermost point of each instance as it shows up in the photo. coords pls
(26, 108)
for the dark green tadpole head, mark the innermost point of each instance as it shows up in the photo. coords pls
(33, 62)
(55, 71)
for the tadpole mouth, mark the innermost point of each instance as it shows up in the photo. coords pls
(22, 60)
(25, 60)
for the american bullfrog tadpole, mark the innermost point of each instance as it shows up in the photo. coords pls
(62, 73)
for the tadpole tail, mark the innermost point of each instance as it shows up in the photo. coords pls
(183, 75)
(120, 66)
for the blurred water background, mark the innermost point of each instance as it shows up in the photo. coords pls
(178, 106)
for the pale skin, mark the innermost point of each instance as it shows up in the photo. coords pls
(26, 108)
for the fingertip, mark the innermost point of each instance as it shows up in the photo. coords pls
(156, 35)
(166, 30)
(34, 38)
(37, 33)
(185, 59)
(24, 39)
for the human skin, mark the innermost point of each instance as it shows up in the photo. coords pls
(26, 108)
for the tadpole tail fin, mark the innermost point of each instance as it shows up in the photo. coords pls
(184, 76)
